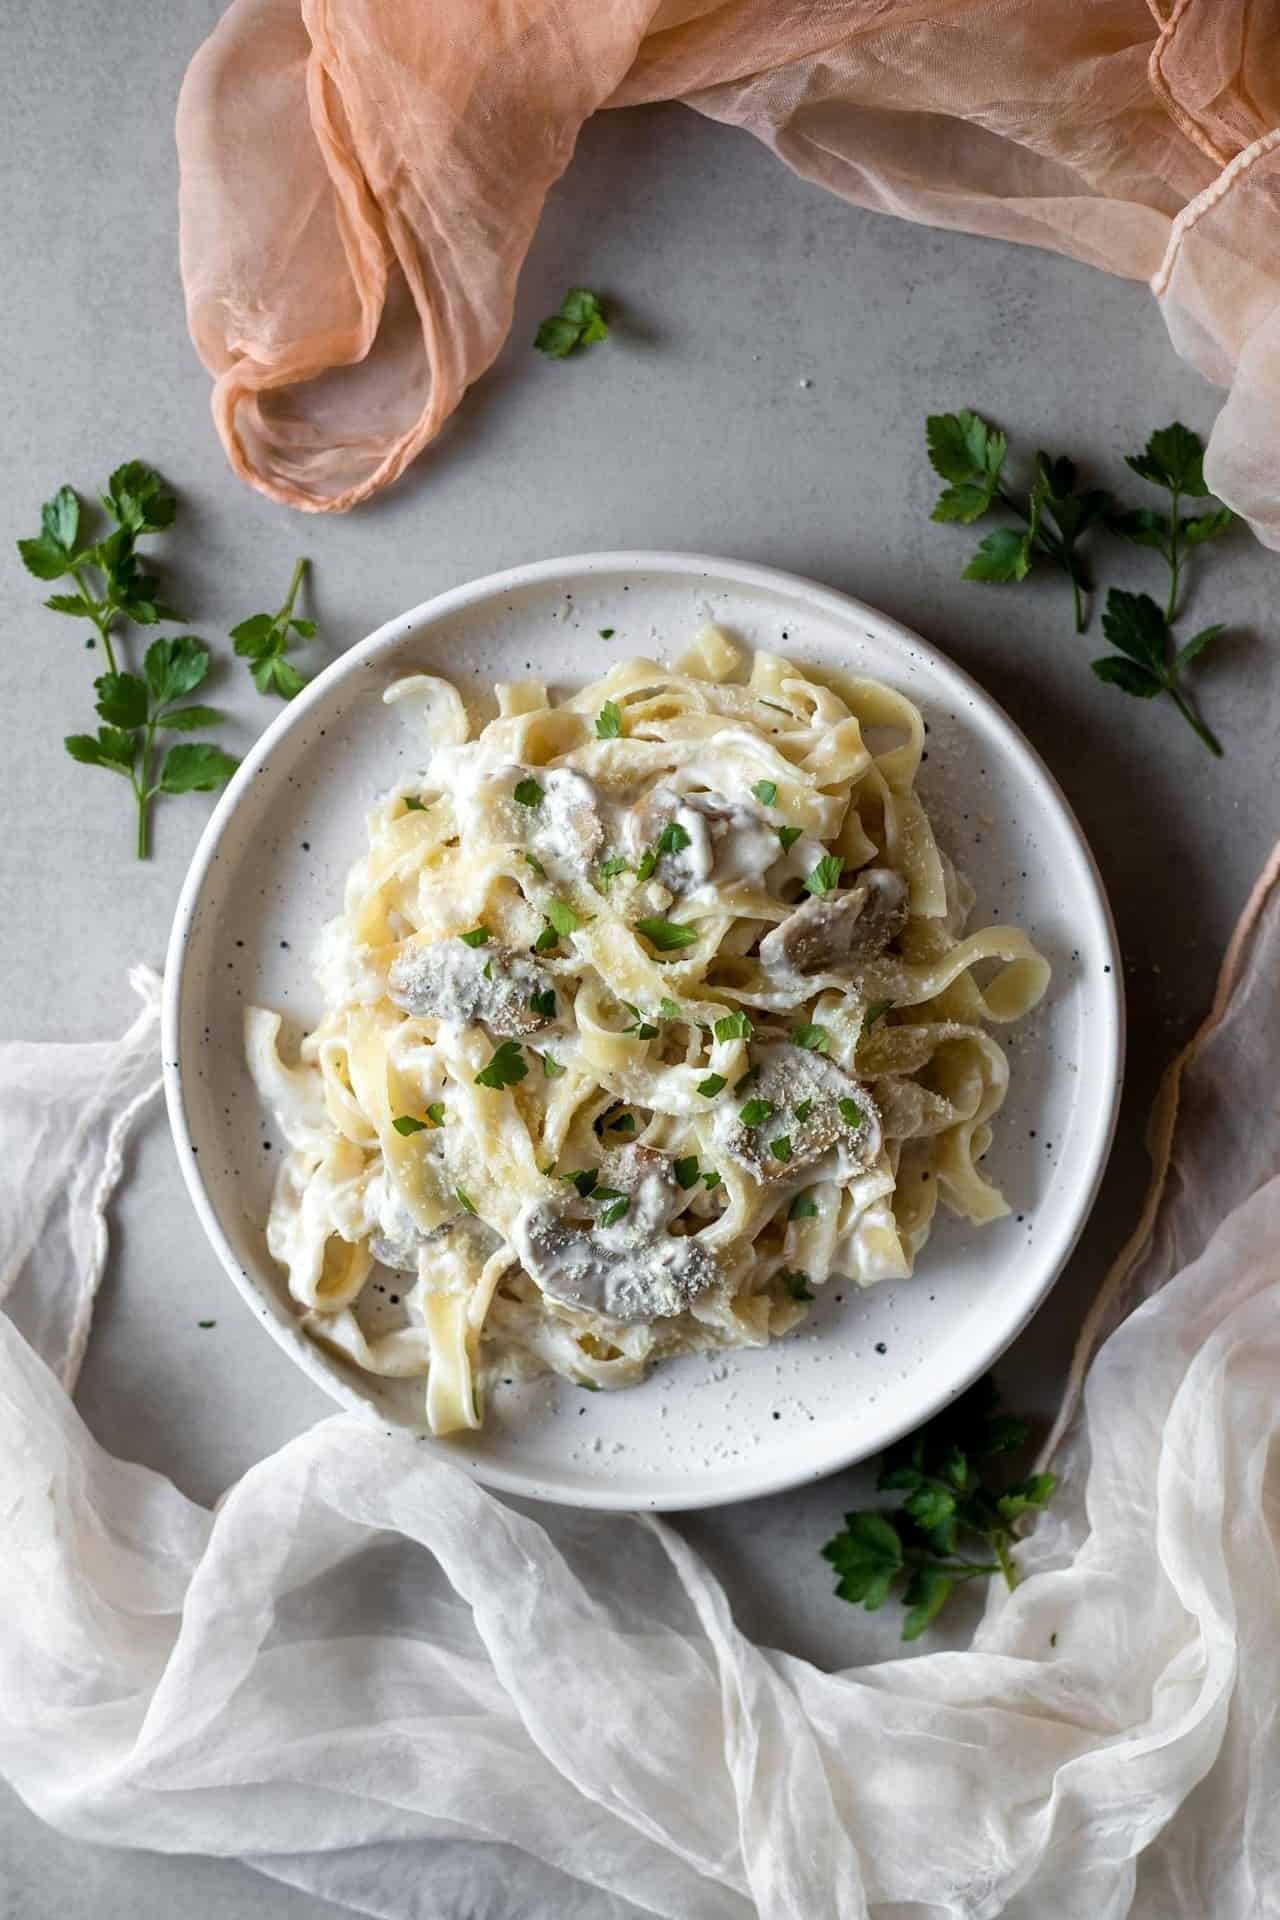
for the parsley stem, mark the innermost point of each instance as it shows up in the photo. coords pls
(299, 568)
(1079, 604)
(1195, 723)
(1001, 1552)
(1173, 557)
(95, 614)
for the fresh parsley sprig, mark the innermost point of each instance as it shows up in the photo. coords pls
(954, 1493)
(263, 640)
(1173, 458)
(112, 587)
(1145, 664)
(969, 454)
(580, 322)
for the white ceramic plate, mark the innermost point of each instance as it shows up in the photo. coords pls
(867, 1366)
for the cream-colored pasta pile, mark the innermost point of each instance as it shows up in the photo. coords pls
(648, 1013)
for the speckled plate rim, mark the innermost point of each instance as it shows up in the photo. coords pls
(1051, 1256)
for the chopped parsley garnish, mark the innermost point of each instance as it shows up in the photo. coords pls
(667, 935)
(668, 1008)
(531, 861)
(788, 837)
(648, 861)
(608, 1193)
(506, 1067)
(734, 1026)
(781, 1148)
(766, 792)
(465, 1201)
(606, 633)
(488, 969)
(812, 1037)
(803, 1207)
(584, 1180)
(578, 322)
(641, 1028)
(796, 1282)
(826, 875)
(563, 918)
(712, 1085)
(609, 721)
(551, 1067)
(528, 793)
(711, 1180)
(875, 1009)
(413, 805)
(673, 838)
(547, 939)
(755, 1113)
(476, 938)
(615, 1210)
(435, 1113)
(544, 1003)
(206, 1323)
(803, 1111)
(686, 1171)
(851, 1113)
(405, 1124)
(609, 870)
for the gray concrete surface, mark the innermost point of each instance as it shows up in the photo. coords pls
(765, 398)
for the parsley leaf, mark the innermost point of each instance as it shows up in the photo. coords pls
(1173, 458)
(615, 1211)
(734, 1026)
(949, 1495)
(547, 939)
(465, 1201)
(478, 937)
(405, 1124)
(876, 1010)
(543, 1003)
(766, 792)
(563, 917)
(813, 1037)
(641, 1028)
(711, 1180)
(436, 1113)
(528, 793)
(606, 633)
(788, 837)
(673, 838)
(412, 804)
(666, 935)
(781, 1148)
(686, 1171)
(609, 721)
(796, 1282)
(580, 322)
(851, 1113)
(803, 1110)
(609, 870)
(647, 862)
(803, 1207)
(668, 1008)
(755, 1112)
(826, 875)
(264, 639)
(551, 1067)
(968, 452)
(713, 1084)
(1142, 665)
(506, 1067)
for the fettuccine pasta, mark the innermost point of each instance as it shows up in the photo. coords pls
(647, 1013)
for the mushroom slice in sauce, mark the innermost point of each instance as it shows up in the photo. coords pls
(815, 1109)
(565, 826)
(633, 1270)
(726, 840)
(833, 932)
(451, 981)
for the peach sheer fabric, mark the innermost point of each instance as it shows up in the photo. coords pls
(361, 180)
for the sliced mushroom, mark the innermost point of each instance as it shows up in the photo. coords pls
(814, 1109)
(836, 932)
(631, 1270)
(455, 982)
(725, 840)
